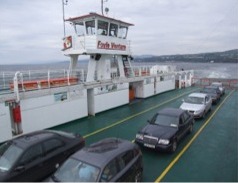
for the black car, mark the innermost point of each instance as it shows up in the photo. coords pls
(34, 156)
(109, 160)
(165, 129)
(214, 92)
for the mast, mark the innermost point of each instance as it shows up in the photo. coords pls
(106, 9)
(64, 2)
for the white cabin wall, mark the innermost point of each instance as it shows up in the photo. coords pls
(111, 100)
(48, 112)
(144, 88)
(139, 89)
(5, 123)
(163, 86)
(110, 96)
(149, 90)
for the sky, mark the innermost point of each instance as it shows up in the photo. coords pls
(31, 31)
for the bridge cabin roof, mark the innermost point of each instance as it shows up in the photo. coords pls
(91, 16)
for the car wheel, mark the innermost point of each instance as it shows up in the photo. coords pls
(190, 129)
(138, 176)
(174, 146)
(210, 109)
(216, 101)
(203, 114)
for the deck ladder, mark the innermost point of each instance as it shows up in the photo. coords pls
(127, 65)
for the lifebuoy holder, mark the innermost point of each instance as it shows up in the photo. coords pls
(67, 42)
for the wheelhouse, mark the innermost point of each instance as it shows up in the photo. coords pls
(97, 33)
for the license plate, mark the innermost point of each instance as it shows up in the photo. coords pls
(149, 145)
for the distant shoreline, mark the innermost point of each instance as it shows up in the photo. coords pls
(230, 56)
(136, 61)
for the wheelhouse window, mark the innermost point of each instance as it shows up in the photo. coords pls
(122, 33)
(90, 27)
(113, 30)
(102, 28)
(79, 28)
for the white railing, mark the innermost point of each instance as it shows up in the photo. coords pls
(40, 79)
(5, 79)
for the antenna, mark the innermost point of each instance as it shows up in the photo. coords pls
(106, 9)
(64, 2)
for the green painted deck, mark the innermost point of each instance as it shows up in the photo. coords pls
(208, 154)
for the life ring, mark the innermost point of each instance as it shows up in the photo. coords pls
(68, 42)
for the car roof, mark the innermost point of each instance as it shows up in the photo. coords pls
(201, 95)
(216, 83)
(171, 111)
(211, 87)
(102, 152)
(30, 139)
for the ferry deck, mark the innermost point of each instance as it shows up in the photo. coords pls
(208, 154)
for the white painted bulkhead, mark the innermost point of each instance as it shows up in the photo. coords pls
(107, 97)
(52, 110)
(152, 86)
(164, 83)
(145, 88)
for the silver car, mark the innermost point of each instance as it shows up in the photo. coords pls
(197, 104)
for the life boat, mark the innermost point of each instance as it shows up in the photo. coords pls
(41, 84)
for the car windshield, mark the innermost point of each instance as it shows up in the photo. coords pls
(9, 153)
(166, 120)
(76, 171)
(209, 90)
(194, 100)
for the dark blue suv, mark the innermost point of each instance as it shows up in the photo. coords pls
(109, 160)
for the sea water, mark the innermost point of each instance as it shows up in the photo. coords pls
(209, 70)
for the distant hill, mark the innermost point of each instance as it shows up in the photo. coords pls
(230, 56)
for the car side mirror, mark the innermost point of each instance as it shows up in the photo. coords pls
(20, 168)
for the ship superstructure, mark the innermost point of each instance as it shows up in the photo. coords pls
(38, 100)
